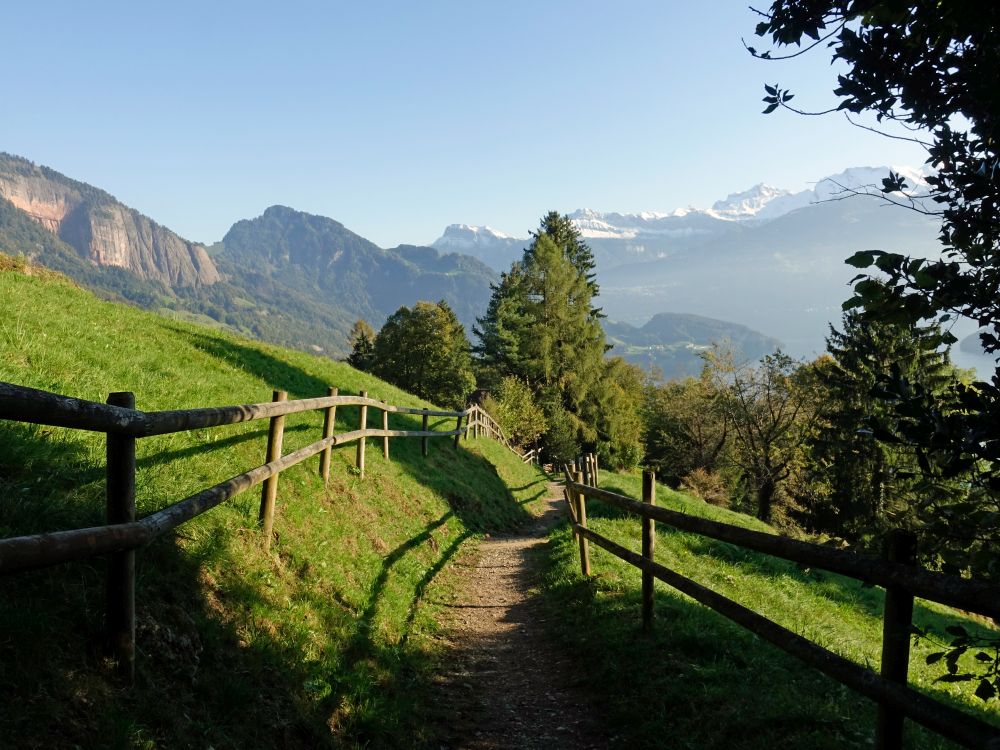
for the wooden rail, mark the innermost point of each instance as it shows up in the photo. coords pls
(895, 572)
(481, 424)
(123, 533)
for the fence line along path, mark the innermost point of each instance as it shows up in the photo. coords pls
(897, 573)
(123, 425)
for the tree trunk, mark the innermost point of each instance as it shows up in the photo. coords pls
(765, 498)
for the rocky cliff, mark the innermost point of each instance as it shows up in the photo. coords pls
(102, 230)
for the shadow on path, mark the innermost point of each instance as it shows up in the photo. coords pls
(506, 684)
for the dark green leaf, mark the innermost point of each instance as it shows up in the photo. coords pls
(985, 690)
(861, 259)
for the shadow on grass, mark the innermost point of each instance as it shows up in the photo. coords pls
(277, 373)
(699, 680)
(235, 677)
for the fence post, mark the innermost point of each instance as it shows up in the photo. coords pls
(897, 618)
(329, 418)
(120, 581)
(571, 497)
(275, 435)
(458, 426)
(581, 514)
(648, 545)
(385, 438)
(597, 472)
(424, 440)
(362, 425)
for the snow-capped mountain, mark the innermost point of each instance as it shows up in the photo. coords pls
(496, 249)
(618, 238)
(463, 237)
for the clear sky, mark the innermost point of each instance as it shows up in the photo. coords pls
(400, 118)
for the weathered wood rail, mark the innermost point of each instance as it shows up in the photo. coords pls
(481, 424)
(896, 572)
(124, 424)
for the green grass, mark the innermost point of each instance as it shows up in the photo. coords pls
(325, 641)
(701, 681)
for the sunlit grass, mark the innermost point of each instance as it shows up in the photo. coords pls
(325, 641)
(700, 681)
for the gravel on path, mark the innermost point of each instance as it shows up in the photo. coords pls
(505, 683)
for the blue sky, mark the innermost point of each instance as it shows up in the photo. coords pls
(399, 118)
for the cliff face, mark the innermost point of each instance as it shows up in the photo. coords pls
(102, 230)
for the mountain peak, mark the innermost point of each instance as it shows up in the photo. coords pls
(747, 203)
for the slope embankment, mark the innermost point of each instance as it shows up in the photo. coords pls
(326, 640)
(699, 680)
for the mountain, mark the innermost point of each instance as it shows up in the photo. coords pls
(286, 277)
(320, 258)
(495, 249)
(619, 239)
(672, 342)
(101, 229)
(786, 276)
(767, 257)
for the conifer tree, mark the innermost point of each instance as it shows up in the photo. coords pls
(542, 327)
(362, 346)
(561, 230)
(872, 484)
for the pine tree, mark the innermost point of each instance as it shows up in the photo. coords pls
(560, 229)
(502, 329)
(542, 327)
(871, 483)
(362, 346)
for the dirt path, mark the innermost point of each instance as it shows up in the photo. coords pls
(506, 684)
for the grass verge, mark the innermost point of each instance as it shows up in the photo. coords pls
(700, 681)
(325, 641)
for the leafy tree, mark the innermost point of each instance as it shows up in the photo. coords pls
(616, 411)
(771, 410)
(514, 408)
(560, 441)
(424, 350)
(686, 431)
(932, 67)
(362, 346)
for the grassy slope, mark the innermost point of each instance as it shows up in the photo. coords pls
(322, 642)
(703, 682)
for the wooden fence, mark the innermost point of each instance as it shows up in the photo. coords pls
(482, 424)
(896, 572)
(124, 424)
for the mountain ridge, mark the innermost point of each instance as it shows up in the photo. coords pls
(620, 238)
(302, 281)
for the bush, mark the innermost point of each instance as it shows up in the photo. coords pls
(706, 485)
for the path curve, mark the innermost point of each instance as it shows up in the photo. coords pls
(505, 684)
